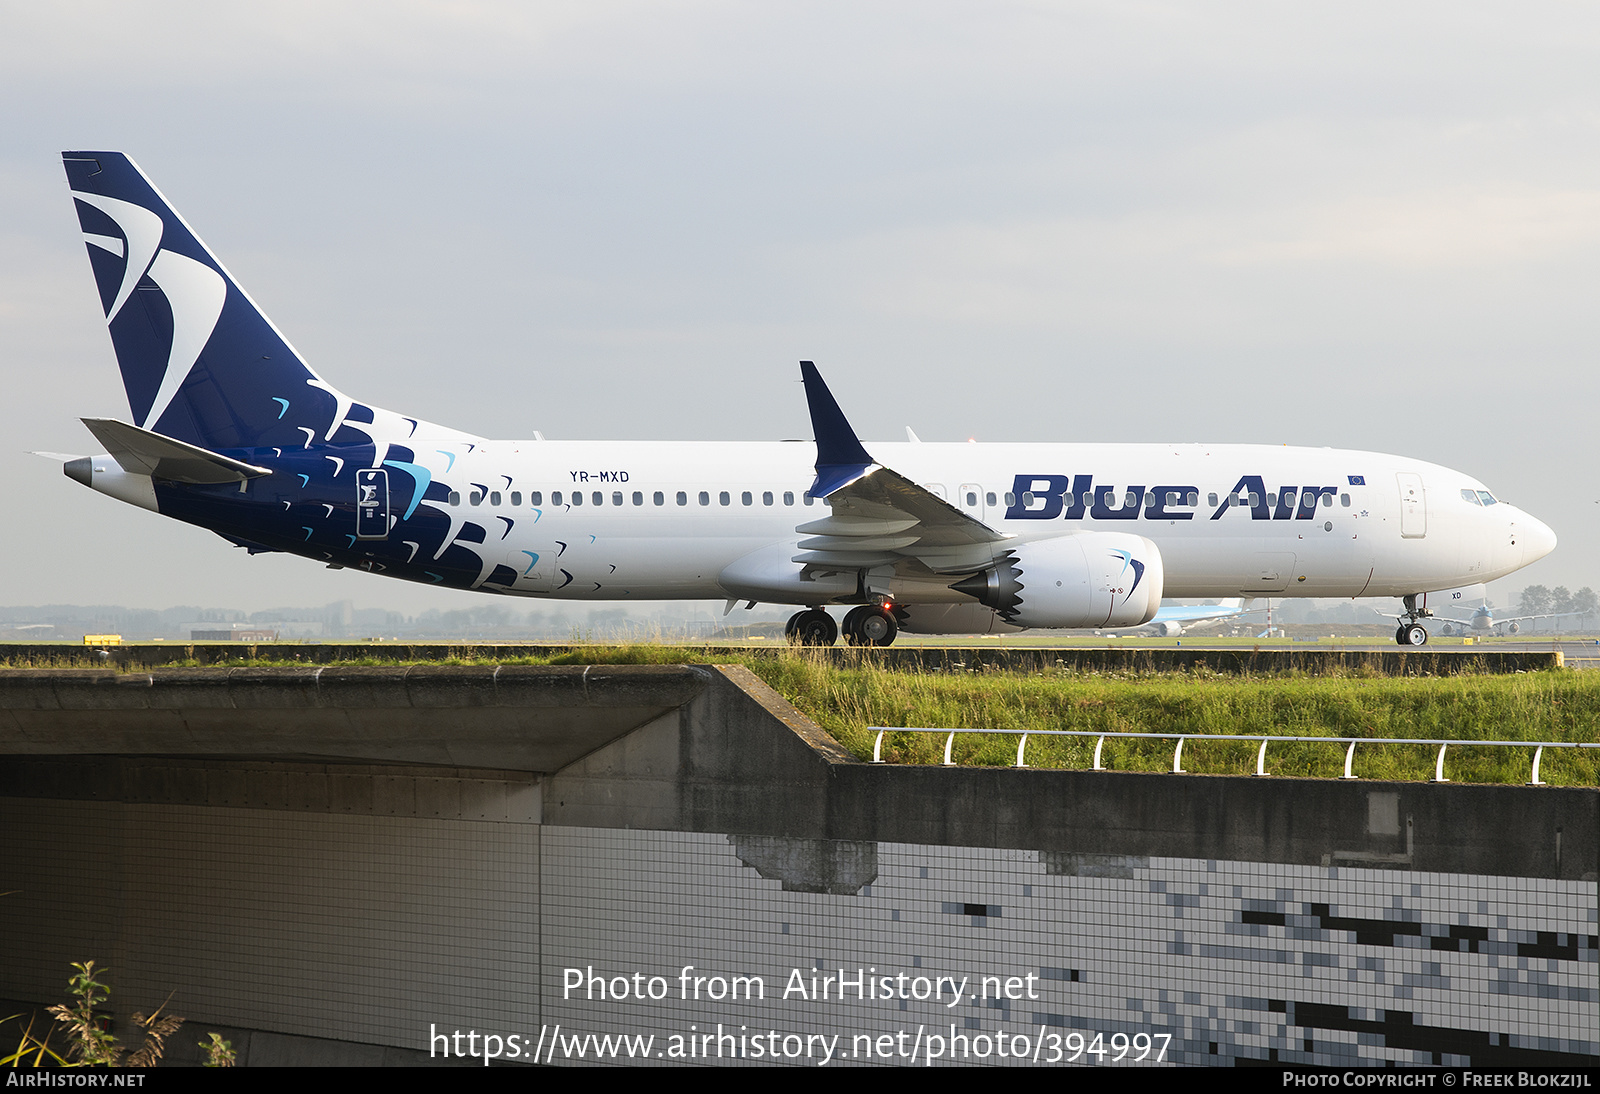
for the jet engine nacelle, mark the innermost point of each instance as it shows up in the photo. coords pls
(1169, 629)
(1096, 579)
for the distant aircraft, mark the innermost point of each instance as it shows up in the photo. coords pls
(1483, 621)
(1171, 620)
(234, 432)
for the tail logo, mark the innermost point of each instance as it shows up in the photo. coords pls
(194, 291)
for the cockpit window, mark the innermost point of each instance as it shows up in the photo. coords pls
(1471, 497)
(1487, 498)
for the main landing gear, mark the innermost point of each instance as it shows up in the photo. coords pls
(870, 625)
(864, 625)
(814, 627)
(1410, 632)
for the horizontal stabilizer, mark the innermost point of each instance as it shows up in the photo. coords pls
(141, 452)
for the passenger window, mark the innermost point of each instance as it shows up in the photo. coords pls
(705, 498)
(1327, 500)
(536, 498)
(1272, 499)
(807, 498)
(683, 498)
(989, 498)
(1255, 499)
(455, 497)
(516, 498)
(638, 498)
(1211, 499)
(494, 498)
(1011, 499)
(766, 497)
(723, 498)
(788, 497)
(659, 498)
(1194, 497)
(577, 497)
(1344, 500)
(599, 498)
(1129, 500)
(746, 498)
(476, 498)
(972, 499)
(616, 497)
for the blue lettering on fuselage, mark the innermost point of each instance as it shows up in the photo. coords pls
(1072, 497)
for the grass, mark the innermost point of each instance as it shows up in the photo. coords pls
(1546, 706)
(847, 696)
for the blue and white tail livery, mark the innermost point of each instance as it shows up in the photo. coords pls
(233, 431)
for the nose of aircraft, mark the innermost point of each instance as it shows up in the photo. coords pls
(1537, 538)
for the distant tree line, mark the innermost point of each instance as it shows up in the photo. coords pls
(1538, 600)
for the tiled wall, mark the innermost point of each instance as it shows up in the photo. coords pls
(1231, 959)
(371, 928)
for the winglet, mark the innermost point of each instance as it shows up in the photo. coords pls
(840, 458)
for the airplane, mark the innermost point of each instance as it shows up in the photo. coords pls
(1483, 620)
(1171, 620)
(234, 432)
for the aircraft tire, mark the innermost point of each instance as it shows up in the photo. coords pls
(877, 627)
(1401, 637)
(815, 628)
(850, 628)
(791, 628)
(1416, 635)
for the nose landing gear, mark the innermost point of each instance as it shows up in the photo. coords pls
(1411, 632)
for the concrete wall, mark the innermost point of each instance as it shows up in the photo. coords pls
(342, 911)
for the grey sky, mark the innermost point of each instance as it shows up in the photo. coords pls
(1356, 225)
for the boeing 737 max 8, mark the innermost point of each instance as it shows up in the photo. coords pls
(234, 432)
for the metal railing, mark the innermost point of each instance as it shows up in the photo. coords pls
(1261, 753)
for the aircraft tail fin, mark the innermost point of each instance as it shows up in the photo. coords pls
(200, 362)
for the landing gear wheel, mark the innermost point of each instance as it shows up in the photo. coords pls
(850, 627)
(879, 627)
(791, 627)
(1400, 635)
(815, 628)
(870, 625)
(1416, 635)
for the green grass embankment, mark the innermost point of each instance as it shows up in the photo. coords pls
(1546, 706)
(1562, 705)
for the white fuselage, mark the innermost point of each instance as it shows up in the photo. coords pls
(660, 520)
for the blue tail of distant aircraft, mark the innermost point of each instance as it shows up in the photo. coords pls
(199, 360)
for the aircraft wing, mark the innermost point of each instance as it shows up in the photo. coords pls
(879, 517)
